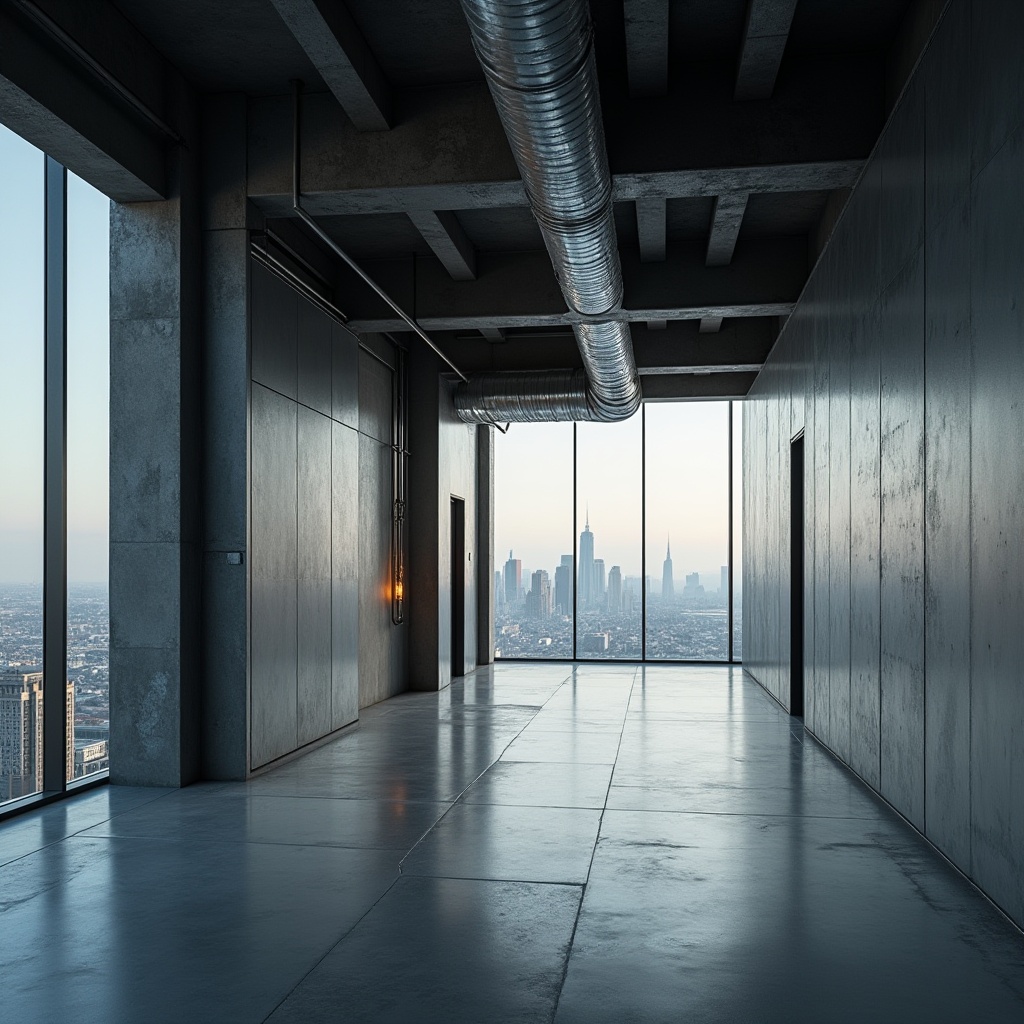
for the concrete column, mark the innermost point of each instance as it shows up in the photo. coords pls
(155, 468)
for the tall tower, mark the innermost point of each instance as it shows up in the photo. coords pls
(513, 579)
(668, 589)
(587, 597)
(615, 590)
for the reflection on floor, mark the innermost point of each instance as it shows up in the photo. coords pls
(538, 842)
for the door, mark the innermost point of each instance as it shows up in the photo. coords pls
(458, 600)
(796, 578)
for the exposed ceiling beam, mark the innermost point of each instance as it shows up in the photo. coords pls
(697, 387)
(647, 46)
(448, 150)
(493, 334)
(337, 49)
(520, 290)
(64, 108)
(442, 231)
(764, 42)
(726, 219)
(710, 324)
(650, 229)
(741, 348)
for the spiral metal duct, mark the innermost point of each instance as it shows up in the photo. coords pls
(538, 57)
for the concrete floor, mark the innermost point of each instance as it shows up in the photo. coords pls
(536, 843)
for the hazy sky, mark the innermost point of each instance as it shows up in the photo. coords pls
(21, 370)
(687, 491)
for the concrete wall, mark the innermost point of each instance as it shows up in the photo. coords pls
(322, 643)
(904, 365)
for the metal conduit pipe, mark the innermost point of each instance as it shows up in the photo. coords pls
(538, 58)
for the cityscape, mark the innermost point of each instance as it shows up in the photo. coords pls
(22, 688)
(534, 612)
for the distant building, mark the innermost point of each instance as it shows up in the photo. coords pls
(513, 579)
(21, 731)
(693, 588)
(668, 588)
(563, 586)
(587, 597)
(615, 589)
(499, 590)
(91, 756)
(724, 586)
(598, 580)
(539, 599)
(596, 643)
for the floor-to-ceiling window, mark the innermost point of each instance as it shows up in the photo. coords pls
(651, 509)
(687, 506)
(533, 582)
(54, 373)
(22, 272)
(609, 514)
(88, 459)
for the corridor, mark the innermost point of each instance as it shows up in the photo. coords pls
(583, 844)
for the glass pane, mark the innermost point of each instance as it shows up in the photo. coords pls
(737, 531)
(687, 455)
(533, 523)
(21, 468)
(88, 390)
(608, 494)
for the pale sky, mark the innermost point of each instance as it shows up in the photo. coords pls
(687, 491)
(21, 370)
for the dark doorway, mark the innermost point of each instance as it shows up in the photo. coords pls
(796, 577)
(458, 587)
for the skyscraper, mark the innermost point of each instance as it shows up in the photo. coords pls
(21, 732)
(668, 588)
(563, 586)
(499, 590)
(513, 579)
(538, 600)
(586, 570)
(598, 580)
(615, 589)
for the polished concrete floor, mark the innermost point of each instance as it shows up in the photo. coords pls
(537, 843)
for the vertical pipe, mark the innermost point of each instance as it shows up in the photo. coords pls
(730, 597)
(643, 533)
(55, 724)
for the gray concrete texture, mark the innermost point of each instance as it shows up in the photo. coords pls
(902, 363)
(322, 643)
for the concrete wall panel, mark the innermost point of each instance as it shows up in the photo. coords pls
(902, 545)
(997, 526)
(948, 535)
(926, 286)
(274, 327)
(314, 343)
(345, 576)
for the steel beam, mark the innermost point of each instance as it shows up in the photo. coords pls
(650, 229)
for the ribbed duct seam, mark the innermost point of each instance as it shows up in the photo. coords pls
(538, 57)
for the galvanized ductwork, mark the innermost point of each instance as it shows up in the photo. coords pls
(538, 56)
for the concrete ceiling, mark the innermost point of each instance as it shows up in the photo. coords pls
(733, 129)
